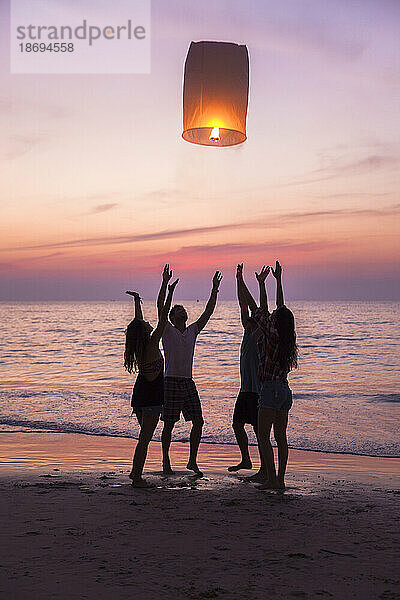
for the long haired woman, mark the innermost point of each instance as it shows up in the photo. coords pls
(275, 336)
(142, 354)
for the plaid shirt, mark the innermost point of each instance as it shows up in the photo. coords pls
(267, 340)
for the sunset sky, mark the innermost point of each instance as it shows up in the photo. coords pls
(98, 190)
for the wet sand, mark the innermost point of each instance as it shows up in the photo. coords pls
(75, 528)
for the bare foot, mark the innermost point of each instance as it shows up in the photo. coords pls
(272, 485)
(142, 483)
(167, 470)
(257, 478)
(244, 464)
(192, 466)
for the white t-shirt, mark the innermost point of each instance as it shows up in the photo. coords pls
(179, 350)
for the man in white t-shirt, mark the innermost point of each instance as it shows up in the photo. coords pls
(180, 393)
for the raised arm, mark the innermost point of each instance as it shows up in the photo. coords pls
(210, 306)
(244, 291)
(277, 273)
(138, 306)
(244, 309)
(261, 277)
(166, 276)
(163, 318)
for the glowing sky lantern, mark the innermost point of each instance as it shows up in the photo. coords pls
(215, 94)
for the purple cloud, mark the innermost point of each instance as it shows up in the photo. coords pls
(100, 208)
(337, 169)
(264, 223)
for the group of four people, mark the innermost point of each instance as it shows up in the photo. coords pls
(268, 353)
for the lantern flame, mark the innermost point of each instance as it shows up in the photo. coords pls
(214, 135)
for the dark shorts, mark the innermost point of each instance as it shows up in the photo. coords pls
(147, 393)
(147, 411)
(246, 408)
(180, 395)
(276, 394)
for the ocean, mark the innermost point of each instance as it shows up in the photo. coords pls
(61, 370)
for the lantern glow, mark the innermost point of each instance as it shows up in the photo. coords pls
(215, 94)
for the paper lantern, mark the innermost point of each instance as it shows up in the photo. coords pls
(215, 94)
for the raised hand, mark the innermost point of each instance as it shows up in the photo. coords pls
(239, 271)
(173, 285)
(263, 274)
(217, 280)
(134, 294)
(277, 273)
(166, 274)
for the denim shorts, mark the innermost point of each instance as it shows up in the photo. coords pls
(275, 394)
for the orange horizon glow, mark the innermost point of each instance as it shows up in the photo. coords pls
(103, 190)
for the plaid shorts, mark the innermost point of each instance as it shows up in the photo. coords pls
(180, 395)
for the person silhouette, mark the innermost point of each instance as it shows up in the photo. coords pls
(275, 336)
(142, 354)
(246, 406)
(181, 395)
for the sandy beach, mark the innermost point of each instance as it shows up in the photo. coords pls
(75, 528)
